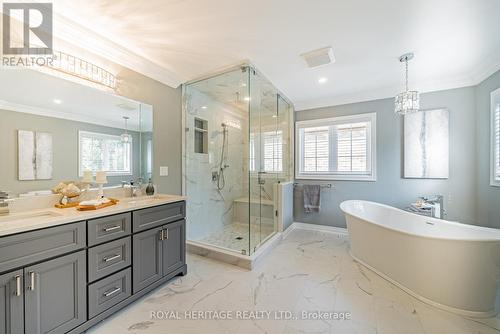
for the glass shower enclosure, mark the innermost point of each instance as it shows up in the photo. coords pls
(236, 151)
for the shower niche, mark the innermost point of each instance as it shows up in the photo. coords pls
(237, 149)
(200, 136)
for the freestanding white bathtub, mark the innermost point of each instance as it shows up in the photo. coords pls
(449, 265)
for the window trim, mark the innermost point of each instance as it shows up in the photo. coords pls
(494, 180)
(115, 173)
(339, 176)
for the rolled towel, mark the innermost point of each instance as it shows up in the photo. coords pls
(94, 202)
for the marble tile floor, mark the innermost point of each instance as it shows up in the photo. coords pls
(235, 236)
(308, 271)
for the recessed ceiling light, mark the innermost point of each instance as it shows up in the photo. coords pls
(243, 84)
(246, 98)
(274, 116)
(204, 107)
(322, 80)
(57, 101)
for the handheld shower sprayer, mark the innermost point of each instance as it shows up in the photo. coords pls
(221, 179)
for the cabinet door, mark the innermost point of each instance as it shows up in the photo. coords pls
(147, 258)
(55, 295)
(11, 303)
(174, 252)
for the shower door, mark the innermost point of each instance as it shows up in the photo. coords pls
(266, 159)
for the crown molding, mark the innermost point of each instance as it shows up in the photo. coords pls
(22, 108)
(88, 40)
(483, 72)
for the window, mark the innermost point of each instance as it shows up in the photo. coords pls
(495, 138)
(340, 148)
(99, 151)
(271, 146)
(149, 157)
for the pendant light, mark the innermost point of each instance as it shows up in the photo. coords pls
(407, 101)
(126, 137)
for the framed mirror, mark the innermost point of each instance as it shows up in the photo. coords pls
(52, 130)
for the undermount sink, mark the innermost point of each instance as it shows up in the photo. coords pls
(143, 199)
(30, 216)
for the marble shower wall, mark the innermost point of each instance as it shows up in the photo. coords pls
(208, 209)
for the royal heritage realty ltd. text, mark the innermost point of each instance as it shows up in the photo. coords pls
(249, 315)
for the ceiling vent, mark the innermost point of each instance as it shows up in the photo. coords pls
(319, 57)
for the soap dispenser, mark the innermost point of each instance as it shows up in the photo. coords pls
(150, 188)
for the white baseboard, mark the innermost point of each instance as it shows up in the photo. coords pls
(341, 231)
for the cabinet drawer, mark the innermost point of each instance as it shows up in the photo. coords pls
(109, 291)
(109, 228)
(159, 215)
(25, 248)
(108, 258)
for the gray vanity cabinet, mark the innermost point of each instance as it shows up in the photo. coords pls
(147, 258)
(65, 279)
(174, 241)
(12, 303)
(55, 294)
(157, 253)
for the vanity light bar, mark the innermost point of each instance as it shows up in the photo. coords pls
(77, 67)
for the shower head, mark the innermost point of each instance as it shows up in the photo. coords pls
(224, 125)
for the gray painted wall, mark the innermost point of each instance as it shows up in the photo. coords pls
(65, 149)
(167, 125)
(488, 199)
(390, 188)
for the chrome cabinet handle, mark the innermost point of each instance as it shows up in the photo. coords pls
(32, 281)
(112, 292)
(164, 234)
(109, 229)
(18, 285)
(111, 258)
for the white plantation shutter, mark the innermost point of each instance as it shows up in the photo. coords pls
(251, 158)
(273, 151)
(269, 148)
(497, 142)
(337, 148)
(316, 149)
(352, 147)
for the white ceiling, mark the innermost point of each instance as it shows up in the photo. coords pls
(34, 92)
(456, 42)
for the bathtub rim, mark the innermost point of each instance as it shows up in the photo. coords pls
(472, 314)
(497, 239)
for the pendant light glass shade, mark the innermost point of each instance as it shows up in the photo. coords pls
(409, 100)
(126, 137)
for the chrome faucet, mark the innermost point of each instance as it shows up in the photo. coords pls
(4, 203)
(437, 205)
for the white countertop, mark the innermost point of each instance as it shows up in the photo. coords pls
(36, 219)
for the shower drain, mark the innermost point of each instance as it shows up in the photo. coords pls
(239, 238)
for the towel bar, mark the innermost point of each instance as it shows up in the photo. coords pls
(328, 185)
